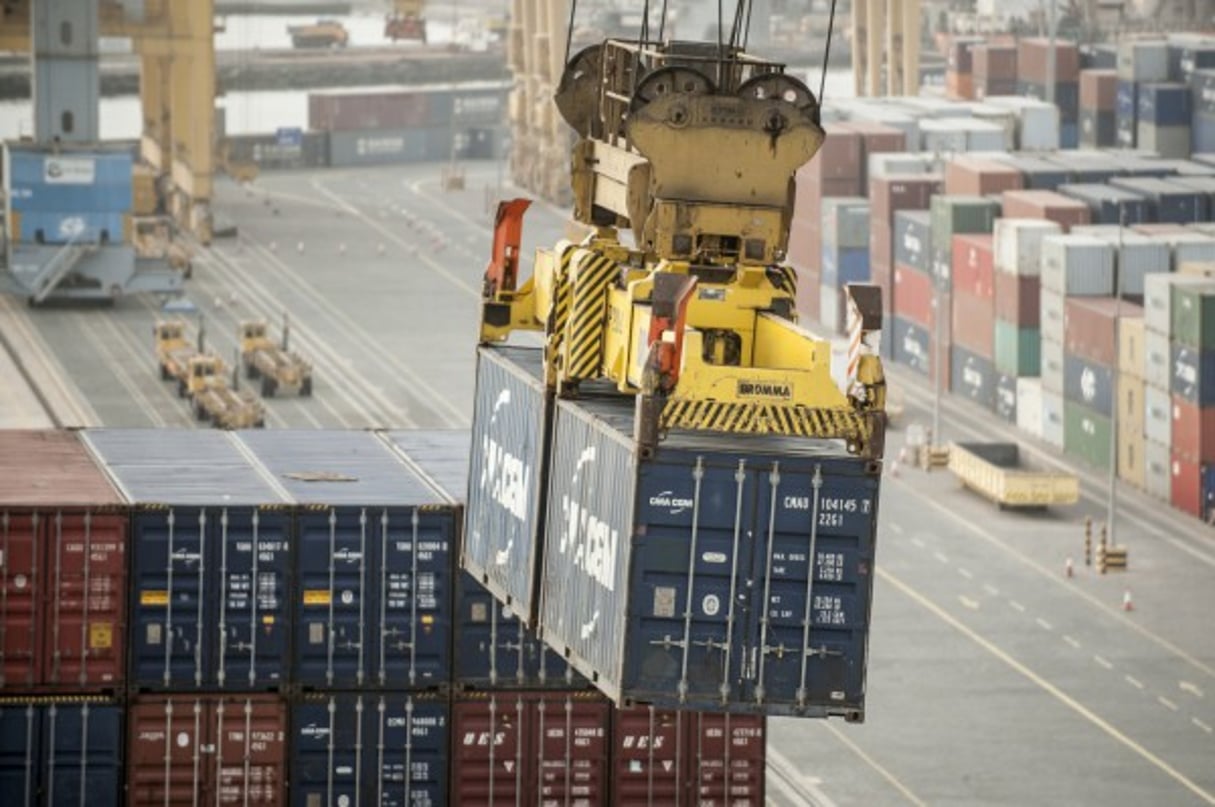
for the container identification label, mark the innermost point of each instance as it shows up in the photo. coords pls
(592, 541)
(154, 597)
(506, 478)
(318, 597)
(68, 171)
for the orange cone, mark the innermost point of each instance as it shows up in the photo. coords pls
(1069, 568)
(1127, 605)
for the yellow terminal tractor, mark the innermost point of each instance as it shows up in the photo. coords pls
(684, 171)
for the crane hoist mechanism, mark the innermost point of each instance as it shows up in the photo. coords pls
(691, 148)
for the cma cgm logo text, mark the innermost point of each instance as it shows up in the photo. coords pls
(592, 541)
(675, 504)
(505, 477)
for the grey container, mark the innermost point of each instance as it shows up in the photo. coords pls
(1143, 61)
(1191, 247)
(846, 222)
(504, 516)
(1167, 141)
(1052, 364)
(1157, 359)
(913, 239)
(1077, 265)
(1051, 320)
(1158, 416)
(1157, 470)
(1137, 256)
(1158, 303)
(389, 146)
(1052, 417)
(716, 575)
(1088, 383)
(886, 164)
(956, 215)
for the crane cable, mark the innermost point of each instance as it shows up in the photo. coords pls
(822, 84)
(569, 31)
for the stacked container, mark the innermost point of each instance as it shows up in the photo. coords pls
(1169, 201)
(1192, 386)
(1202, 101)
(1033, 56)
(972, 353)
(63, 584)
(1110, 204)
(888, 195)
(959, 69)
(1139, 62)
(1157, 373)
(994, 69)
(1163, 119)
(1131, 399)
(1046, 205)
(912, 291)
(1036, 123)
(1090, 374)
(845, 255)
(1098, 102)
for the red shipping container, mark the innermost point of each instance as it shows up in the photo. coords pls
(1056, 207)
(1034, 53)
(913, 292)
(973, 266)
(670, 757)
(1018, 299)
(901, 192)
(1185, 490)
(63, 537)
(1193, 430)
(206, 749)
(973, 176)
(543, 748)
(974, 327)
(838, 158)
(994, 61)
(959, 86)
(1098, 90)
(1089, 328)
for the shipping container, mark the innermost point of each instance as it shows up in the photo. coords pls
(1158, 415)
(1192, 314)
(210, 560)
(1033, 54)
(63, 567)
(1088, 383)
(504, 520)
(954, 215)
(913, 239)
(1202, 91)
(912, 345)
(1077, 265)
(1130, 422)
(831, 308)
(1190, 247)
(973, 377)
(898, 164)
(876, 138)
(525, 747)
(1006, 397)
(1090, 327)
(1108, 204)
(1017, 350)
(1086, 434)
(1098, 89)
(1045, 204)
(913, 296)
(1193, 375)
(1193, 432)
(1099, 56)
(387, 749)
(727, 759)
(1097, 130)
(1167, 141)
(1143, 60)
(1052, 315)
(374, 576)
(273, 153)
(843, 266)
(1208, 494)
(1131, 348)
(1037, 174)
(1087, 167)
(973, 326)
(900, 192)
(973, 272)
(994, 61)
(1164, 104)
(845, 222)
(1157, 470)
(972, 176)
(1029, 406)
(661, 621)
(1017, 299)
(1052, 417)
(390, 146)
(1036, 123)
(206, 749)
(61, 752)
(1158, 302)
(1135, 257)
(1185, 486)
(1170, 202)
(1017, 244)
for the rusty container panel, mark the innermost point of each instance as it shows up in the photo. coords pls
(973, 176)
(1098, 89)
(50, 469)
(20, 659)
(528, 747)
(728, 758)
(1090, 327)
(207, 749)
(840, 155)
(342, 110)
(648, 757)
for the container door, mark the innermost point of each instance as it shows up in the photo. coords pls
(728, 756)
(649, 750)
(249, 744)
(86, 605)
(171, 608)
(408, 739)
(20, 567)
(20, 761)
(693, 549)
(335, 599)
(82, 746)
(807, 646)
(414, 596)
(489, 751)
(327, 756)
(571, 735)
(167, 760)
(254, 552)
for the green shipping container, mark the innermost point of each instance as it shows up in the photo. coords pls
(957, 215)
(1193, 309)
(1018, 350)
(1086, 434)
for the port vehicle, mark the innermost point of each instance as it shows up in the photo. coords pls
(406, 21)
(174, 353)
(214, 401)
(320, 34)
(997, 472)
(277, 367)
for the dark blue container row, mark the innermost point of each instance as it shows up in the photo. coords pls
(973, 377)
(1164, 104)
(1193, 375)
(1088, 383)
(912, 346)
(61, 753)
(842, 266)
(1110, 205)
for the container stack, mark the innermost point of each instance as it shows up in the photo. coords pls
(959, 68)
(64, 610)
(890, 194)
(1192, 386)
(845, 257)
(1202, 101)
(1139, 62)
(1033, 56)
(1098, 102)
(913, 301)
(972, 353)
(1163, 119)
(1130, 403)
(994, 69)
(1089, 369)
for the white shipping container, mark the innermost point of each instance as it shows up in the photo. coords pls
(1017, 245)
(1158, 416)
(1037, 121)
(1137, 255)
(1077, 266)
(1143, 60)
(984, 135)
(1156, 296)
(1191, 247)
(943, 136)
(1052, 418)
(886, 164)
(1051, 315)
(1157, 470)
(1051, 366)
(1029, 406)
(1157, 359)
(1172, 142)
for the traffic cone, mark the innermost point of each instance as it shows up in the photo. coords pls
(1070, 570)
(1127, 605)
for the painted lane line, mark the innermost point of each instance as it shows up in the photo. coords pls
(941, 556)
(896, 529)
(965, 573)
(1047, 686)
(992, 590)
(871, 762)
(1075, 645)
(1135, 682)
(796, 786)
(1201, 725)
(1166, 703)
(1042, 623)
(917, 543)
(968, 602)
(1017, 606)
(1103, 662)
(1186, 686)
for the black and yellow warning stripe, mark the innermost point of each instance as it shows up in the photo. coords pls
(766, 418)
(591, 276)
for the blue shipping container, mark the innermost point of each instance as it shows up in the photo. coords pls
(374, 561)
(973, 377)
(1088, 383)
(912, 238)
(1006, 397)
(1109, 204)
(1069, 134)
(61, 754)
(912, 345)
(719, 574)
(74, 182)
(1202, 133)
(1193, 375)
(60, 228)
(504, 518)
(845, 266)
(1164, 104)
(1171, 202)
(1126, 99)
(389, 750)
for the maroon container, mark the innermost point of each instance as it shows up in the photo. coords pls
(1034, 53)
(1098, 90)
(1018, 299)
(972, 176)
(670, 757)
(1193, 430)
(394, 109)
(1185, 491)
(890, 194)
(974, 327)
(995, 62)
(1056, 207)
(206, 749)
(973, 270)
(63, 567)
(530, 747)
(913, 296)
(876, 138)
(1089, 327)
(838, 158)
